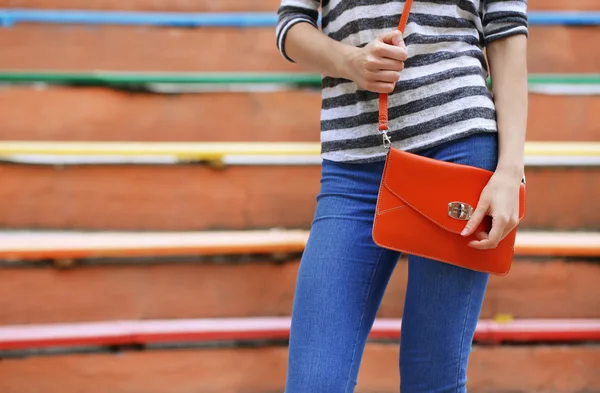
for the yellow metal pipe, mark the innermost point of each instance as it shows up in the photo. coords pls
(217, 150)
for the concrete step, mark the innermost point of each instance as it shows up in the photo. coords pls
(539, 369)
(193, 197)
(249, 274)
(552, 49)
(99, 114)
(171, 288)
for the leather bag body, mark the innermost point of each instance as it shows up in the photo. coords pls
(414, 212)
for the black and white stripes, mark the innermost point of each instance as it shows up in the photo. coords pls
(292, 12)
(442, 92)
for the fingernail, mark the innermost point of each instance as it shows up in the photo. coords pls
(464, 231)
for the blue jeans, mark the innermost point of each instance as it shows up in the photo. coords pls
(343, 276)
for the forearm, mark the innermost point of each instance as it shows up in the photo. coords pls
(314, 51)
(508, 63)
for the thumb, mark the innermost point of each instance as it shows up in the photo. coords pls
(476, 218)
(393, 37)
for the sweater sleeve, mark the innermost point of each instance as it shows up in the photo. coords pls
(291, 12)
(504, 18)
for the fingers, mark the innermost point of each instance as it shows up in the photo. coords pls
(381, 87)
(383, 64)
(393, 37)
(498, 225)
(494, 237)
(480, 236)
(498, 200)
(513, 221)
(382, 61)
(384, 50)
(476, 218)
(378, 80)
(385, 76)
(502, 225)
(390, 65)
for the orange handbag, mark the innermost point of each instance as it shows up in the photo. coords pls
(423, 204)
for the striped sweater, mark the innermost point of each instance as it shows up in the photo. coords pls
(442, 93)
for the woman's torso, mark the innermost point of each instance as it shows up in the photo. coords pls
(442, 92)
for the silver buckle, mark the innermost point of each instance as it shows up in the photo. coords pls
(460, 210)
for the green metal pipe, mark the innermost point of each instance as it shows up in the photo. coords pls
(129, 78)
(302, 79)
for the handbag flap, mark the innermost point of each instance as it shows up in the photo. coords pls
(428, 186)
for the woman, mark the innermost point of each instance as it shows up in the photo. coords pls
(439, 107)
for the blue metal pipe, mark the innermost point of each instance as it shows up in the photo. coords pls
(576, 18)
(175, 19)
(9, 17)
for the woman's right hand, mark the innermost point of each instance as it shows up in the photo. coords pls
(376, 67)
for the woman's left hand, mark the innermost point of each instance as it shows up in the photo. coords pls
(500, 200)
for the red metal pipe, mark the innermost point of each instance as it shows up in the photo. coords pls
(240, 329)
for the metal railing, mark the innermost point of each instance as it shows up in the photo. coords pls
(241, 153)
(10, 17)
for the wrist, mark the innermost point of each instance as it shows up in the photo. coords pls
(515, 172)
(343, 60)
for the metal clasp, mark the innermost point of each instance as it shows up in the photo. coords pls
(387, 142)
(460, 210)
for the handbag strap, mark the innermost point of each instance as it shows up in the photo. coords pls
(383, 97)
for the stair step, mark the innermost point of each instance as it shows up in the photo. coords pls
(552, 49)
(540, 369)
(193, 197)
(554, 271)
(98, 114)
(554, 288)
